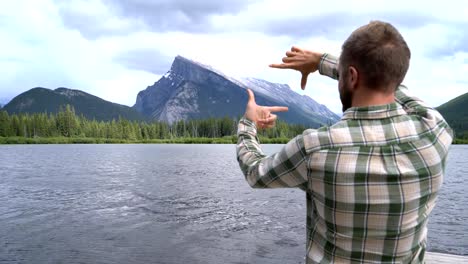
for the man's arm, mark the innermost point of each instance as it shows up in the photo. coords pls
(286, 168)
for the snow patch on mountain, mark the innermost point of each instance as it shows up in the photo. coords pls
(69, 92)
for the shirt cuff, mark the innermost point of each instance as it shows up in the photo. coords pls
(246, 126)
(328, 66)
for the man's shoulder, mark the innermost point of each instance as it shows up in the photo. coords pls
(348, 133)
(326, 137)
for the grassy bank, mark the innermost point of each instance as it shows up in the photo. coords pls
(81, 140)
(201, 140)
(459, 141)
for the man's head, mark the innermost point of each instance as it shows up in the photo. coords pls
(376, 57)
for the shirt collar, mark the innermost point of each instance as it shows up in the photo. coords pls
(374, 112)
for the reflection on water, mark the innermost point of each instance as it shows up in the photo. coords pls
(167, 204)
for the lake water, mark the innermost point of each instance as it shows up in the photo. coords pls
(168, 204)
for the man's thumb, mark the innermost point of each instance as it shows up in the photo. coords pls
(251, 95)
(304, 80)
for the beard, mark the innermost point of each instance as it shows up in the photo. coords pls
(346, 96)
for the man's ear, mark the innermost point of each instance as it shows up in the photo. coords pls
(353, 76)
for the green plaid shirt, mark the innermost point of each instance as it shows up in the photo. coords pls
(371, 180)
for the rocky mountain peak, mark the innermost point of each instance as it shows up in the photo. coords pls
(191, 90)
(193, 71)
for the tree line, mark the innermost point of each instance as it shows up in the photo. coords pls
(66, 123)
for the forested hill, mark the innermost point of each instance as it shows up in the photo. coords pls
(42, 100)
(455, 112)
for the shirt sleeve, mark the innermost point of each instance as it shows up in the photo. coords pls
(286, 168)
(414, 105)
(329, 66)
(410, 102)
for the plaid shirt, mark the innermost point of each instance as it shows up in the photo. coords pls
(371, 179)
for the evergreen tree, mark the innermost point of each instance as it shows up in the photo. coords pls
(5, 125)
(67, 124)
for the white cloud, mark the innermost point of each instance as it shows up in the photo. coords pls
(40, 51)
(80, 44)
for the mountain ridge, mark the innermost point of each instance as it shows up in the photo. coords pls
(40, 100)
(192, 90)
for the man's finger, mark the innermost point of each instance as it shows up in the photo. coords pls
(296, 49)
(270, 125)
(290, 53)
(287, 59)
(304, 80)
(277, 108)
(251, 95)
(266, 121)
(279, 66)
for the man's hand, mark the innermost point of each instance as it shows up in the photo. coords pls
(304, 61)
(262, 115)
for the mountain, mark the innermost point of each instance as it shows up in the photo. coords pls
(39, 100)
(455, 112)
(191, 90)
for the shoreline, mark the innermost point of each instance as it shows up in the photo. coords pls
(201, 140)
(84, 140)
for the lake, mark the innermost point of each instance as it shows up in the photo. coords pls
(169, 204)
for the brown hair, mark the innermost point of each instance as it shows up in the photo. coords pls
(379, 52)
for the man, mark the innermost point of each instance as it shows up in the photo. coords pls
(372, 178)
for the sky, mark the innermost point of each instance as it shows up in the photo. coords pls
(115, 48)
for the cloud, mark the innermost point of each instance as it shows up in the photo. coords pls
(163, 15)
(37, 50)
(146, 59)
(453, 40)
(338, 26)
(94, 19)
(334, 26)
(97, 18)
(297, 20)
(115, 48)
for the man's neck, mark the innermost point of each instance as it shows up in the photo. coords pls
(367, 97)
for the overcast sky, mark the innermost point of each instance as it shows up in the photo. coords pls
(115, 48)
